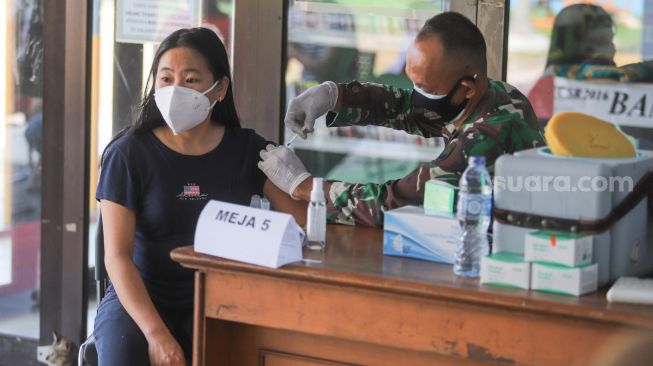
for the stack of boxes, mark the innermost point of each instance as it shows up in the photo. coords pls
(552, 262)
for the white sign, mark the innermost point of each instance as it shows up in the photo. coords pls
(626, 104)
(246, 234)
(140, 21)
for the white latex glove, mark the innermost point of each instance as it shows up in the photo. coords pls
(282, 167)
(305, 108)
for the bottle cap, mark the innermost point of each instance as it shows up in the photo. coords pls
(476, 160)
(317, 192)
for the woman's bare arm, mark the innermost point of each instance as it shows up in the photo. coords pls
(119, 225)
(281, 201)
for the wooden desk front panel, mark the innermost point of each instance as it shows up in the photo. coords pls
(410, 328)
(254, 345)
(361, 307)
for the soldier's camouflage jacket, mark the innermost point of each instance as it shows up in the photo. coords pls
(503, 122)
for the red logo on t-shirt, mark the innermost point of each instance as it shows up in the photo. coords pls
(191, 192)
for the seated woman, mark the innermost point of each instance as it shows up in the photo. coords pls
(184, 147)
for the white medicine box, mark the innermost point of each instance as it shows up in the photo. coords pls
(562, 248)
(564, 280)
(506, 269)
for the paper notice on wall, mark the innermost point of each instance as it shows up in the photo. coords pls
(140, 21)
(625, 104)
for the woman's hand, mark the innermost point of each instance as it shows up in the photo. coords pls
(164, 350)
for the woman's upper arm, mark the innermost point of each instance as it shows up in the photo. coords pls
(281, 201)
(119, 227)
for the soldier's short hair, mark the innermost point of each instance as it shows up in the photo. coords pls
(461, 39)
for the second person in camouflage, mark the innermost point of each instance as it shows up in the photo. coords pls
(452, 98)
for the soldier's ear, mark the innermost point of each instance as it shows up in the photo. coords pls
(470, 88)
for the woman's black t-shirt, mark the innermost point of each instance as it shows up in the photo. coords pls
(167, 191)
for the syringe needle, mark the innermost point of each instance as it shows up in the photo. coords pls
(291, 140)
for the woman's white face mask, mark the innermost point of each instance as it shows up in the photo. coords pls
(183, 108)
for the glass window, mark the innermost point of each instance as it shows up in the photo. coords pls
(567, 46)
(21, 91)
(126, 34)
(345, 40)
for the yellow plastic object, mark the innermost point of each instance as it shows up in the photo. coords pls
(581, 135)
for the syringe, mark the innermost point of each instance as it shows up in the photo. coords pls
(291, 140)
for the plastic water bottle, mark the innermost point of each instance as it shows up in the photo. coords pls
(474, 214)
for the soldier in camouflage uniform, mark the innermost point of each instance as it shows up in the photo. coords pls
(582, 48)
(476, 116)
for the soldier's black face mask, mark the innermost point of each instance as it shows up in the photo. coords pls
(440, 104)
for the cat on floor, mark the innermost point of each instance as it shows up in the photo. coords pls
(61, 352)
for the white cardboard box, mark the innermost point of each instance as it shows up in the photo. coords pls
(564, 280)
(563, 248)
(506, 269)
(409, 232)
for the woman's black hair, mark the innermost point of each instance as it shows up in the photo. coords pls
(146, 116)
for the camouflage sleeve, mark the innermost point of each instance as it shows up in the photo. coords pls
(364, 204)
(380, 105)
(636, 72)
(509, 128)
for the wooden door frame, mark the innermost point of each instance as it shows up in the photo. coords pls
(491, 17)
(64, 195)
(64, 224)
(258, 64)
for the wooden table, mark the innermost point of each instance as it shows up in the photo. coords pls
(361, 307)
